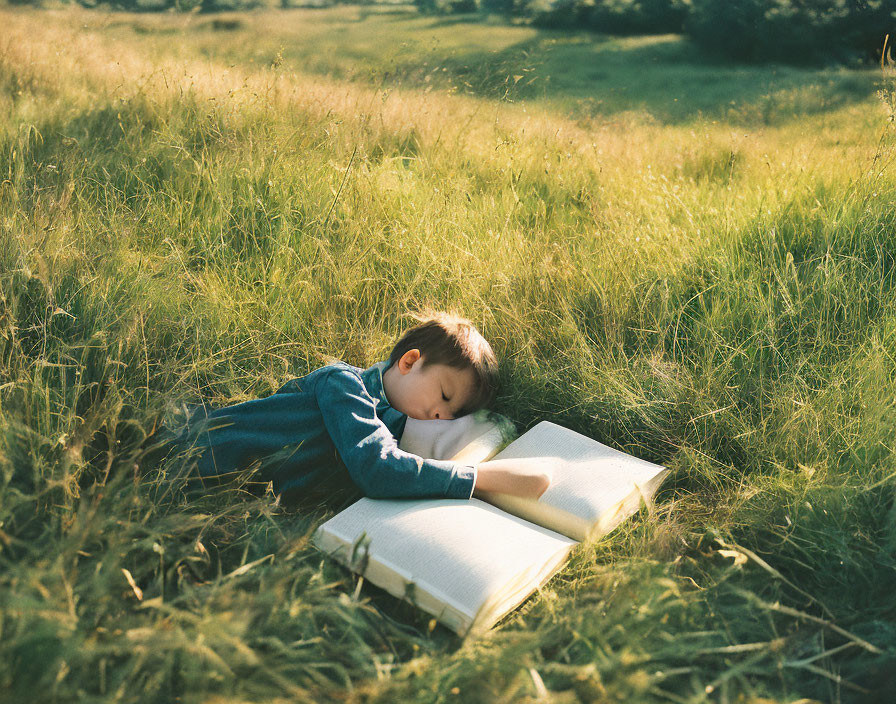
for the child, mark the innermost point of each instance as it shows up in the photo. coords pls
(440, 369)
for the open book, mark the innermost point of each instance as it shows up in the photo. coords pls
(468, 562)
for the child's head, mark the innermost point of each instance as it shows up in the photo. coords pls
(441, 368)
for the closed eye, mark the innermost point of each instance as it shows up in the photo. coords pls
(445, 398)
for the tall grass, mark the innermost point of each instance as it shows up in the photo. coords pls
(712, 297)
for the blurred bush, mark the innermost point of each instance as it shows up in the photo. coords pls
(506, 7)
(801, 31)
(185, 5)
(446, 7)
(612, 16)
(794, 31)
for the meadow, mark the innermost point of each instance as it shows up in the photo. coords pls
(690, 260)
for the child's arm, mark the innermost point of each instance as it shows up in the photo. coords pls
(528, 478)
(371, 454)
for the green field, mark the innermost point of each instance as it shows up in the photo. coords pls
(690, 260)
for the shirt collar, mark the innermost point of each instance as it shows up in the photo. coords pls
(372, 378)
(373, 381)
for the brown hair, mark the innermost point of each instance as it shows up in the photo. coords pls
(444, 338)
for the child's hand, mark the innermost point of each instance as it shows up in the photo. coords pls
(528, 478)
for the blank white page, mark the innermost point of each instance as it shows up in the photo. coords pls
(590, 480)
(462, 552)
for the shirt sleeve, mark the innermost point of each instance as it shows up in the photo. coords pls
(371, 454)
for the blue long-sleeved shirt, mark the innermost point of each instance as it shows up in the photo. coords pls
(337, 411)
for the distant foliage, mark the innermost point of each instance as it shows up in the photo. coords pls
(175, 5)
(613, 16)
(504, 7)
(640, 16)
(610, 16)
(446, 7)
(792, 30)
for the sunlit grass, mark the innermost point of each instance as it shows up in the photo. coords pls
(708, 286)
(584, 74)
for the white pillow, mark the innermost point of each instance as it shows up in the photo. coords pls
(469, 439)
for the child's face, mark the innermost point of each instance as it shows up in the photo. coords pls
(434, 391)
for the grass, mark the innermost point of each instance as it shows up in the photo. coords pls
(579, 74)
(189, 213)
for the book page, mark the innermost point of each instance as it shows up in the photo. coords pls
(459, 555)
(593, 487)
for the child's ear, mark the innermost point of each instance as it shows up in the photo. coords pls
(408, 360)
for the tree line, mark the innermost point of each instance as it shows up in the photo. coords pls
(801, 31)
(797, 31)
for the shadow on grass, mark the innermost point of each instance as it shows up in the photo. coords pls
(664, 76)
